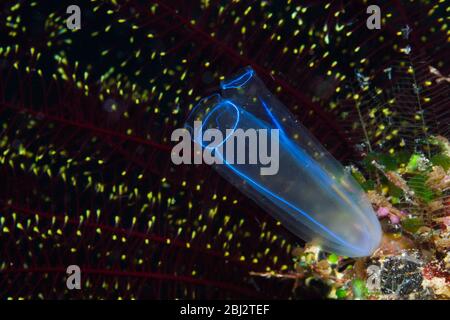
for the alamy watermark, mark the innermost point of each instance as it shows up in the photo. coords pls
(238, 146)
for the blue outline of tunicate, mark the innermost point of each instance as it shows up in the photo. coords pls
(239, 81)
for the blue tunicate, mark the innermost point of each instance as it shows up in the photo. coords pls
(311, 194)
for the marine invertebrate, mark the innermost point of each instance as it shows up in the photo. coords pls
(311, 193)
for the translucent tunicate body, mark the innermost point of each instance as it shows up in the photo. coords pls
(311, 193)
